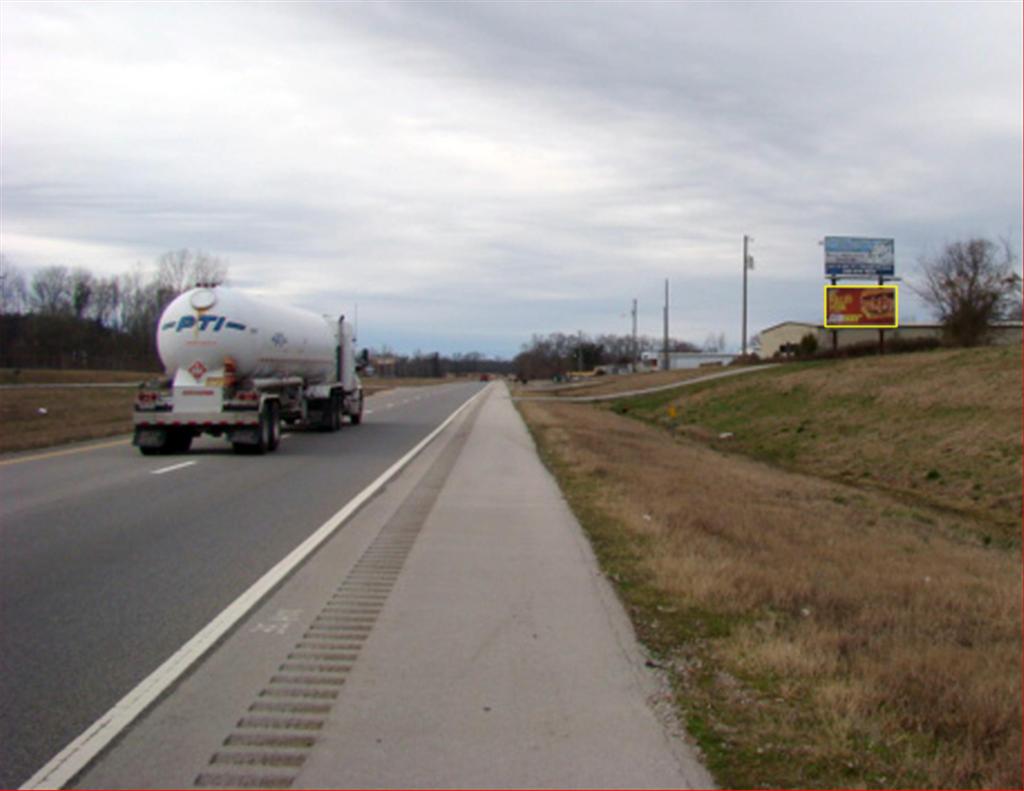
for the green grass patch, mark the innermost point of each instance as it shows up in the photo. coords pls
(927, 426)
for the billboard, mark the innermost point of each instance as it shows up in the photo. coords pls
(864, 307)
(853, 256)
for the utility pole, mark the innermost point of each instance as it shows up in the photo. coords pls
(579, 351)
(632, 350)
(748, 263)
(664, 345)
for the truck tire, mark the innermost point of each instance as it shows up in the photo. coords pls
(357, 417)
(330, 417)
(156, 450)
(266, 430)
(338, 411)
(275, 426)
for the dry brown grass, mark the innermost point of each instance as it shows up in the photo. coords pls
(608, 385)
(941, 428)
(819, 635)
(71, 414)
(10, 376)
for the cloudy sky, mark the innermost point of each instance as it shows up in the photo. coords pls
(473, 173)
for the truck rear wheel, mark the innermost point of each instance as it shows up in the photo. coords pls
(357, 417)
(274, 438)
(330, 416)
(338, 410)
(266, 430)
(152, 442)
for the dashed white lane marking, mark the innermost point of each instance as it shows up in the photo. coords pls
(173, 467)
(60, 769)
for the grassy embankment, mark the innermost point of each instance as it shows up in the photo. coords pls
(608, 385)
(74, 414)
(835, 590)
(71, 413)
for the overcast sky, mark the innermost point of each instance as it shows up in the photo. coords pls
(470, 174)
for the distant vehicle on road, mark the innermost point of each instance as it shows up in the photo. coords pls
(238, 366)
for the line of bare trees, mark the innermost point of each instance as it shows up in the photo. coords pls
(546, 356)
(63, 317)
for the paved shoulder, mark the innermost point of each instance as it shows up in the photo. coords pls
(503, 658)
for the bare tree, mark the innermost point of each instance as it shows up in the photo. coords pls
(83, 285)
(714, 342)
(13, 294)
(50, 293)
(970, 285)
(180, 270)
(105, 302)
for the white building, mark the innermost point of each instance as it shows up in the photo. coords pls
(678, 361)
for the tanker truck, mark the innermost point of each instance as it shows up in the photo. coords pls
(238, 367)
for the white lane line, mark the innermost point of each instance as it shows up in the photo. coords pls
(172, 468)
(368, 411)
(60, 769)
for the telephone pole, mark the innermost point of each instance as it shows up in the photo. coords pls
(632, 348)
(748, 263)
(664, 345)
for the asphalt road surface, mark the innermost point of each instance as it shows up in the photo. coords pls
(456, 633)
(110, 561)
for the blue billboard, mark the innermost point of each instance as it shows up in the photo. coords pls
(855, 256)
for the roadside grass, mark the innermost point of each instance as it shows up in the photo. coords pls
(71, 414)
(619, 383)
(817, 634)
(13, 376)
(939, 428)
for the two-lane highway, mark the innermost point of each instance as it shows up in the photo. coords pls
(110, 561)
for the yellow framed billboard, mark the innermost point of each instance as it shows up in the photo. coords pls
(862, 307)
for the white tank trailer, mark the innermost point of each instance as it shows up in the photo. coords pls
(237, 366)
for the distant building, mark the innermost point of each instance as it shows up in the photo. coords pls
(785, 337)
(678, 361)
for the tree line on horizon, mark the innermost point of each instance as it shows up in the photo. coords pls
(64, 317)
(558, 353)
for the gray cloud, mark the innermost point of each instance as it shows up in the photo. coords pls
(470, 173)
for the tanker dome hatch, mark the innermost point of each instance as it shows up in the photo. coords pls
(203, 298)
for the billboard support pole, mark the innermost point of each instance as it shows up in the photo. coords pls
(835, 333)
(881, 333)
